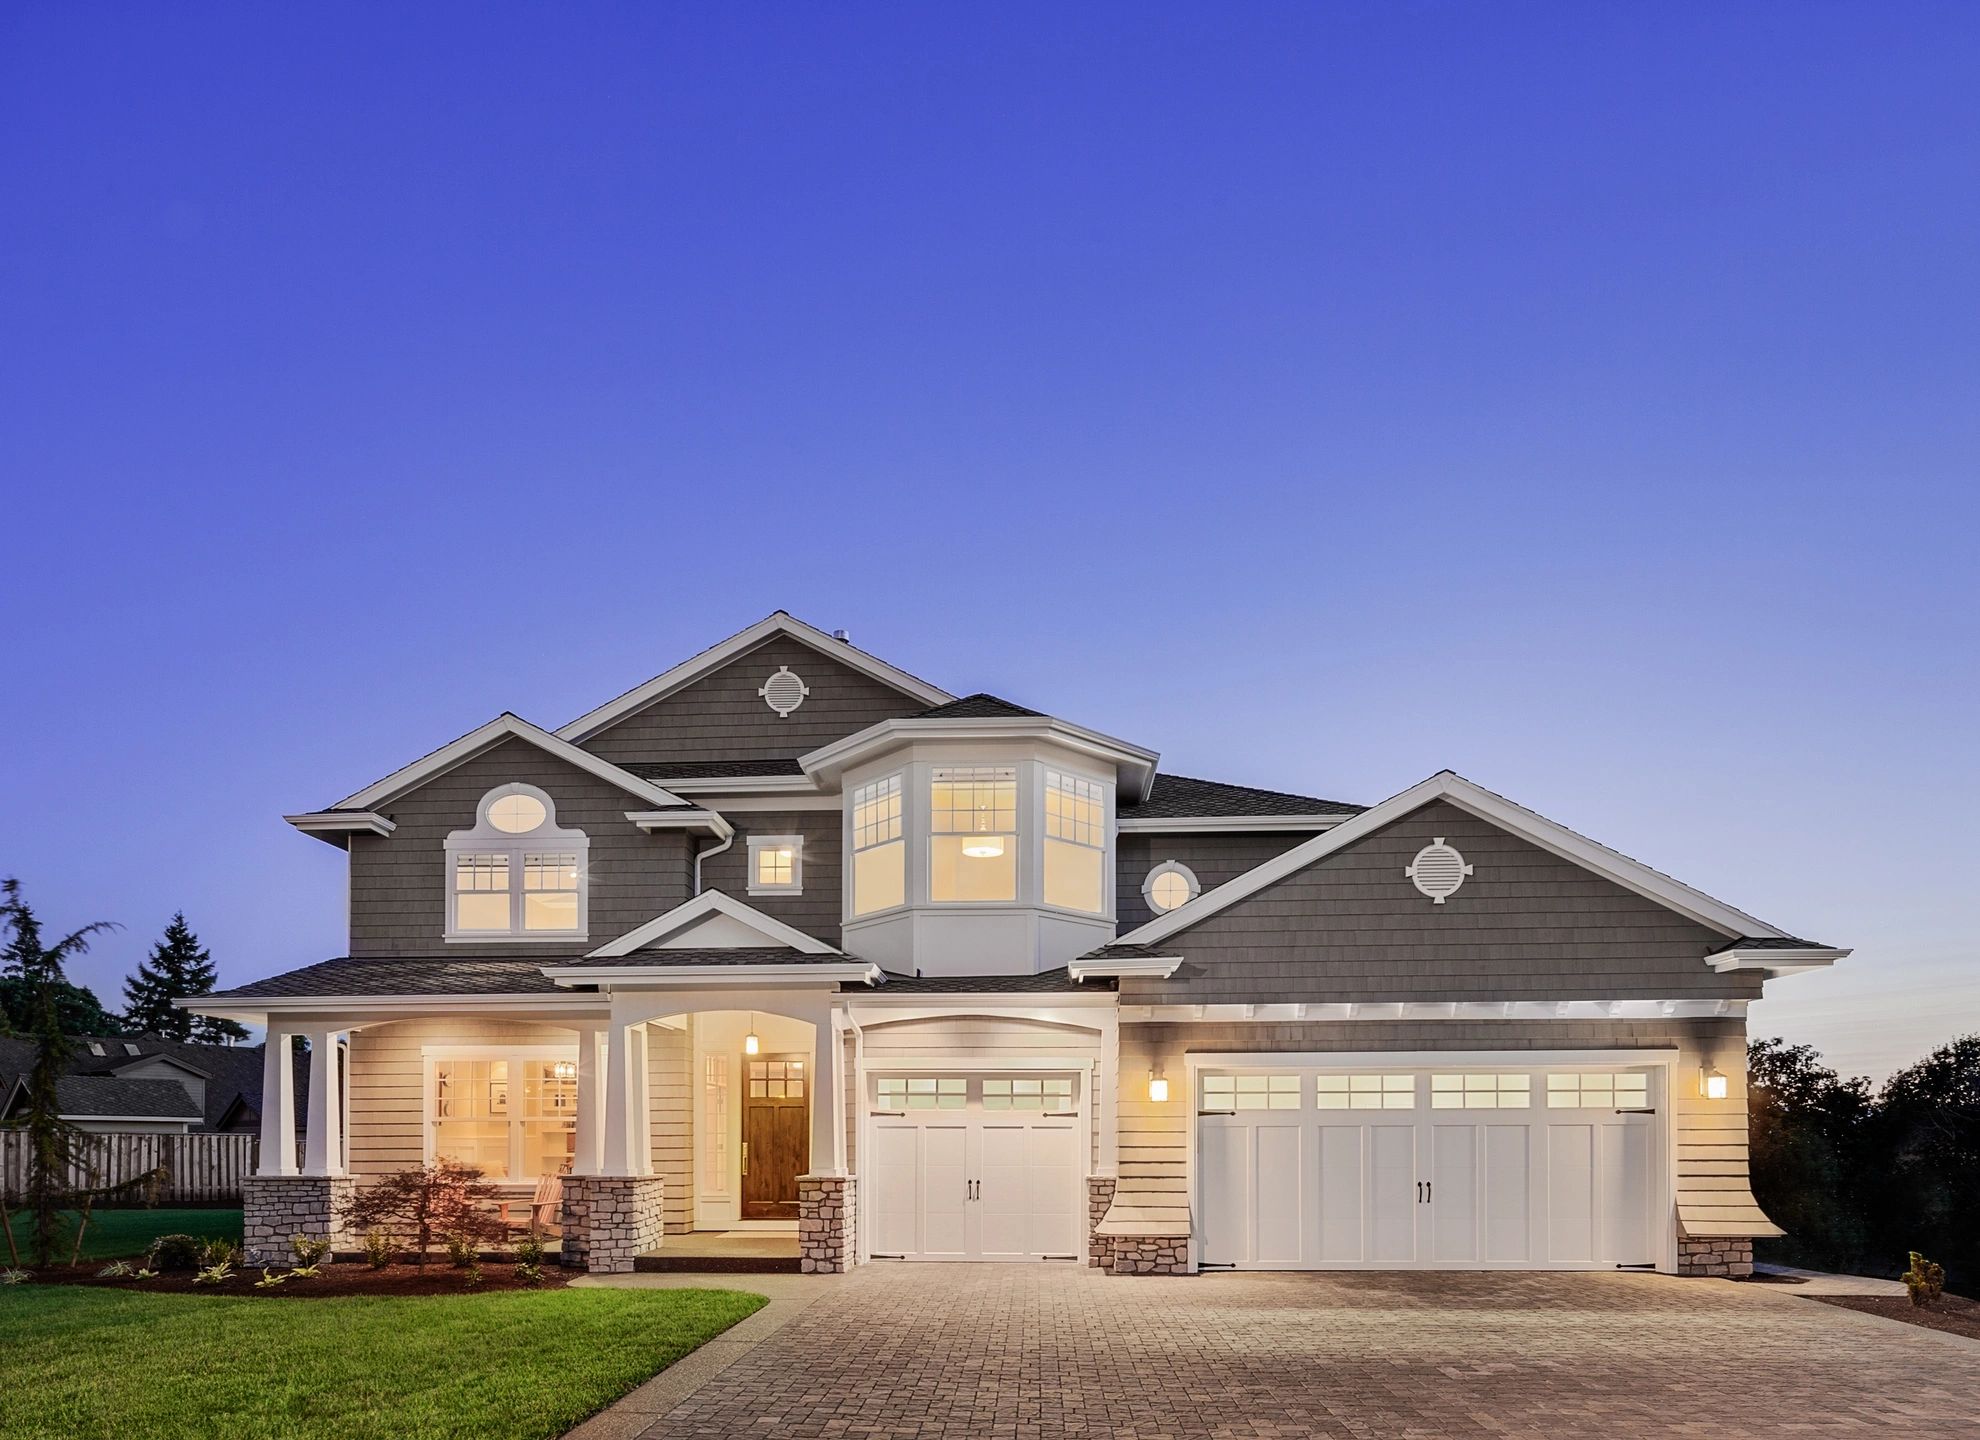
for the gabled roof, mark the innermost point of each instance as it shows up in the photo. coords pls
(702, 913)
(975, 707)
(1517, 819)
(505, 726)
(718, 655)
(105, 1097)
(1134, 764)
(230, 1071)
(398, 975)
(1183, 797)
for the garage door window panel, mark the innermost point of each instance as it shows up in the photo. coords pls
(1365, 1092)
(1251, 1092)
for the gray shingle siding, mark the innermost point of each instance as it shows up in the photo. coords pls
(1527, 925)
(399, 881)
(817, 911)
(1213, 859)
(1714, 1036)
(722, 716)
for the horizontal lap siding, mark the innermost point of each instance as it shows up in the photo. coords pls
(1212, 859)
(670, 1119)
(399, 881)
(1526, 925)
(720, 716)
(817, 910)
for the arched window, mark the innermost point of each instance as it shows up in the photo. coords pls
(1168, 885)
(516, 875)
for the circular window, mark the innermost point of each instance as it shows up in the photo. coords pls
(1169, 885)
(517, 814)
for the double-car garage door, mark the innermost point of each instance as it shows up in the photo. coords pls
(1439, 1168)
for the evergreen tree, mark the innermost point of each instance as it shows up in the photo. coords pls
(179, 966)
(31, 973)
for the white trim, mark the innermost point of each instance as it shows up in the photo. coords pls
(744, 785)
(1130, 824)
(673, 977)
(795, 844)
(716, 656)
(381, 1009)
(1157, 967)
(1336, 1012)
(503, 727)
(1168, 867)
(1452, 787)
(695, 821)
(1776, 961)
(1134, 765)
(486, 839)
(702, 906)
(342, 822)
(808, 799)
(525, 1052)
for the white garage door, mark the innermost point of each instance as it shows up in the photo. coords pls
(975, 1167)
(1521, 1168)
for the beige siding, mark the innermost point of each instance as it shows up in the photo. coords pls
(670, 1119)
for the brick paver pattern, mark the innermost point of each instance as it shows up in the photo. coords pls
(1012, 1352)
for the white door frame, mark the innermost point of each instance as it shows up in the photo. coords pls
(1664, 1060)
(1081, 1068)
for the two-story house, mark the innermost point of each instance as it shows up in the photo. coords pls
(789, 939)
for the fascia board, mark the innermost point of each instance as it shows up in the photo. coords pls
(502, 727)
(707, 903)
(1226, 824)
(1158, 967)
(695, 819)
(341, 822)
(675, 977)
(828, 762)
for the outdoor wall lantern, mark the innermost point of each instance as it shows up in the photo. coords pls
(1713, 1083)
(1158, 1088)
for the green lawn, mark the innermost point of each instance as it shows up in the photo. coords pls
(515, 1366)
(115, 1234)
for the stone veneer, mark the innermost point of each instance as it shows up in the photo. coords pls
(1099, 1195)
(1149, 1255)
(1714, 1256)
(827, 1224)
(611, 1219)
(275, 1207)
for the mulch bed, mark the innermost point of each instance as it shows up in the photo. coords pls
(1954, 1314)
(343, 1278)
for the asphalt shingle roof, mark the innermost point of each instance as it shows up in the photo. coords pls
(1771, 942)
(80, 1095)
(414, 975)
(1183, 795)
(1050, 982)
(660, 772)
(976, 707)
(739, 955)
(232, 1072)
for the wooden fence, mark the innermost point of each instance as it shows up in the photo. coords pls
(204, 1169)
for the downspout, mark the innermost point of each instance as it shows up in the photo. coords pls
(701, 855)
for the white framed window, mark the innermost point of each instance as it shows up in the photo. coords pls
(1043, 1092)
(1481, 1092)
(972, 841)
(921, 1092)
(879, 854)
(776, 864)
(517, 875)
(510, 1114)
(1168, 885)
(1075, 843)
(715, 1124)
(1251, 1092)
(1606, 1090)
(1364, 1092)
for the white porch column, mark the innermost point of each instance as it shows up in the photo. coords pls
(828, 1129)
(1109, 1097)
(323, 1148)
(278, 1107)
(628, 1146)
(640, 1111)
(590, 1102)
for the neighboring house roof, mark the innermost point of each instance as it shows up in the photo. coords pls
(231, 1074)
(975, 707)
(106, 1097)
(720, 654)
(1184, 795)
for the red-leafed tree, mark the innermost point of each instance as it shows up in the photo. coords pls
(425, 1204)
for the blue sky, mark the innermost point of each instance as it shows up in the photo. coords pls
(1586, 398)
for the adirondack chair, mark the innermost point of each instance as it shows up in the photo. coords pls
(545, 1208)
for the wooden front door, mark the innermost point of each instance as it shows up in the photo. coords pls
(776, 1134)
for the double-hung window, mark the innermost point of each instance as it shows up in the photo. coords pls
(517, 874)
(972, 850)
(1075, 843)
(511, 1116)
(879, 854)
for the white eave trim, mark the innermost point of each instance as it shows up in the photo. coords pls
(1136, 765)
(1449, 786)
(716, 656)
(676, 977)
(1776, 961)
(701, 907)
(745, 785)
(503, 727)
(1155, 967)
(236, 1006)
(1216, 824)
(342, 822)
(696, 821)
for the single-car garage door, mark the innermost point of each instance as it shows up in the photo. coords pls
(976, 1167)
(1521, 1167)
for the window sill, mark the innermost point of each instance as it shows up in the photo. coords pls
(775, 890)
(562, 937)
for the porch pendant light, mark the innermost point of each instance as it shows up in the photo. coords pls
(750, 1043)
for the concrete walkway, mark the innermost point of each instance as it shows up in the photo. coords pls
(1038, 1352)
(1821, 1282)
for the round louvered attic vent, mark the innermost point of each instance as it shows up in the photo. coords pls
(784, 692)
(1438, 870)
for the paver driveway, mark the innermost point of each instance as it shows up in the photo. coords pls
(973, 1352)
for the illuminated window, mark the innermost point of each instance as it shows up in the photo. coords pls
(972, 850)
(776, 864)
(1364, 1092)
(1607, 1090)
(1251, 1092)
(1047, 1092)
(879, 855)
(482, 1118)
(1481, 1092)
(1075, 843)
(922, 1092)
(516, 874)
(715, 1125)
(1168, 885)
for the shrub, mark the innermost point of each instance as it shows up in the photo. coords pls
(462, 1252)
(472, 1276)
(309, 1249)
(15, 1277)
(175, 1252)
(217, 1273)
(219, 1252)
(1925, 1280)
(529, 1250)
(530, 1274)
(441, 1199)
(377, 1249)
(116, 1270)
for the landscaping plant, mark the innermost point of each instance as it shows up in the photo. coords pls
(461, 1250)
(14, 1277)
(529, 1260)
(1925, 1280)
(309, 1250)
(215, 1274)
(115, 1270)
(445, 1198)
(377, 1249)
(175, 1252)
(270, 1278)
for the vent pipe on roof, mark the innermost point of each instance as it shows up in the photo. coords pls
(845, 635)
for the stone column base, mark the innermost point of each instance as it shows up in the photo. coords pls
(1149, 1255)
(274, 1207)
(1714, 1256)
(611, 1219)
(827, 1224)
(1099, 1195)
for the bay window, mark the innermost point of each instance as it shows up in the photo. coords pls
(516, 874)
(1075, 843)
(879, 854)
(972, 852)
(512, 1116)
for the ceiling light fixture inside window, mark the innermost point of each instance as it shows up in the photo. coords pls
(984, 847)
